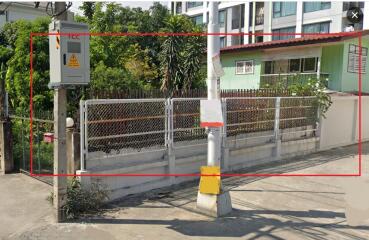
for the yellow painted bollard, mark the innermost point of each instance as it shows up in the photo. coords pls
(210, 184)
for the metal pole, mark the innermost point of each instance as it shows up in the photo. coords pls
(82, 133)
(212, 82)
(60, 151)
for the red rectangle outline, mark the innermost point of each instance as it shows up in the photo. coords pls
(358, 34)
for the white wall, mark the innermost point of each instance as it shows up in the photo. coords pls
(366, 15)
(341, 125)
(18, 11)
(245, 150)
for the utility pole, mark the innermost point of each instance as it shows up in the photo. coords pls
(213, 49)
(211, 198)
(60, 150)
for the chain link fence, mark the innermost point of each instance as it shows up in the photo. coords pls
(114, 127)
(42, 145)
(298, 112)
(249, 115)
(185, 122)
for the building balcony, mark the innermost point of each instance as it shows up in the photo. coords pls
(259, 19)
(283, 80)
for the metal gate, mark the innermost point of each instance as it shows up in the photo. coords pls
(42, 150)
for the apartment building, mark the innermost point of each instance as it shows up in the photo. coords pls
(275, 17)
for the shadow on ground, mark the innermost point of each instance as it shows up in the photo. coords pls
(257, 221)
(261, 223)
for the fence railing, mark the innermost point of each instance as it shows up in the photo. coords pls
(122, 126)
(192, 93)
(114, 127)
(42, 149)
(286, 79)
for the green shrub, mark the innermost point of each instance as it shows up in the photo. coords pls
(83, 200)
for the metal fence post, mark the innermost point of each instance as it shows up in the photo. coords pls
(277, 140)
(225, 149)
(82, 133)
(84, 180)
(169, 139)
(38, 147)
(23, 146)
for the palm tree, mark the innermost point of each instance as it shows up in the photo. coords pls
(180, 56)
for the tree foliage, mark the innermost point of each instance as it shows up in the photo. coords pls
(17, 42)
(181, 56)
(117, 62)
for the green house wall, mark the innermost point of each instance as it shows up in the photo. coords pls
(334, 61)
(350, 81)
(231, 80)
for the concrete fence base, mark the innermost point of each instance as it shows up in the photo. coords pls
(339, 128)
(188, 160)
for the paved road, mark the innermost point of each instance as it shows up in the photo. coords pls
(264, 208)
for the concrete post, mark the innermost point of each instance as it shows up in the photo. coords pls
(60, 152)
(246, 23)
(253, 21)
(299, 18)
(6, 144)
(318, 68)
(204, 12)
(268, 17)
(277, 139)
(218, 204)
(60, 158)
(171, 153)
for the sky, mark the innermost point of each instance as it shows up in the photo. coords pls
(143, 4)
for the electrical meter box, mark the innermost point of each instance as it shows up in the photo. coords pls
(69, 54)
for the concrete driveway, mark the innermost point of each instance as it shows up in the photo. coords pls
(264, 208)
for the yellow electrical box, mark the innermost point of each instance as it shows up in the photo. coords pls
(210, 184)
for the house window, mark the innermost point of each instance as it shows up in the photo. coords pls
(178, 7)
(259, 36)
(236, 40)
(245, 67)
(348, 5)
(316, 28)
(222, 42)
(221, 18)
(279, 34)
(309, 64)
(294, 65)
(268, 67)
(353, 59)
(198, 20)
(283, 9)
(193, 4)
(316, 6)
(236, 17)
